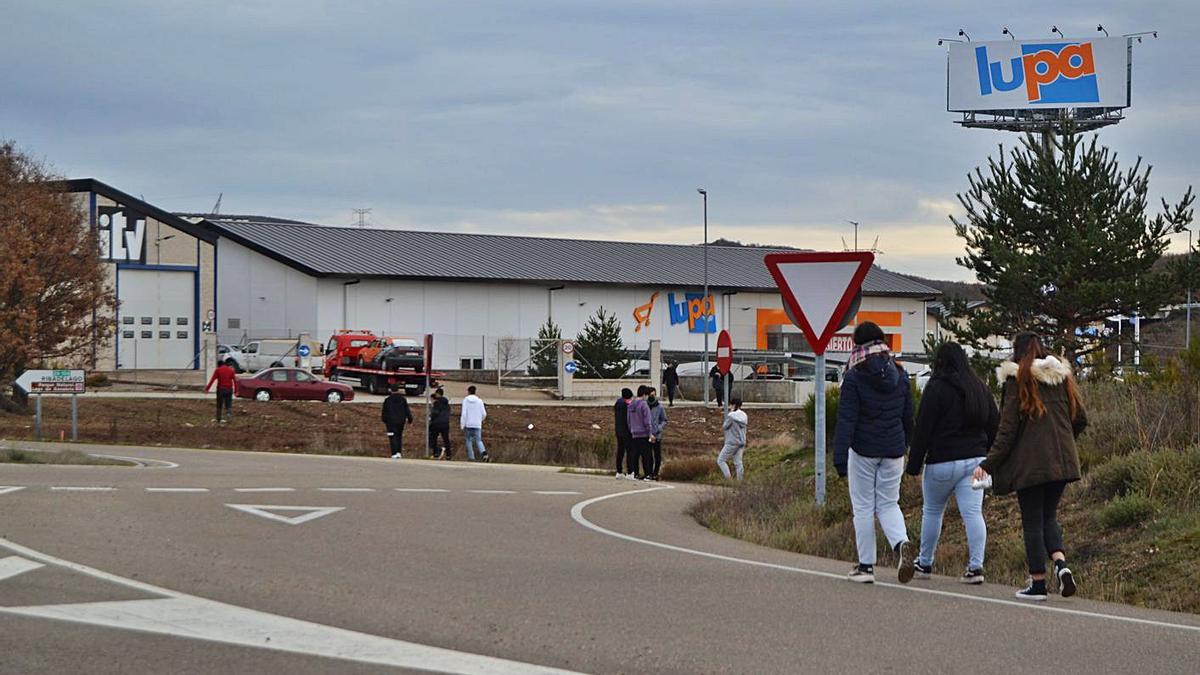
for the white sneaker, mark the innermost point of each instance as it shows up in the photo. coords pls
(396, 455)
(620, 475)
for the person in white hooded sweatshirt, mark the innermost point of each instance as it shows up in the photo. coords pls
(735, 439)
(471, 423)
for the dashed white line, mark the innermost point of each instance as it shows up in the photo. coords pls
(73, 488)
(493, 492)
(178, 489)
(5, 489)
(556, 492)
(347, 489)
(420, 490)
(265, 489)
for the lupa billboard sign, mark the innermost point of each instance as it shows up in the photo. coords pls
(1038, 74)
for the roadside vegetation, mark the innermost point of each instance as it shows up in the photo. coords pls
(1132, 524)
(18, 456)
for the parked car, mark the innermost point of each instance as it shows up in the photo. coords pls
(275, 353)
(292, 384)
(227, 352)
(410, 355)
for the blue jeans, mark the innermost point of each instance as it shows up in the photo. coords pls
(939, 482)
(470, 438)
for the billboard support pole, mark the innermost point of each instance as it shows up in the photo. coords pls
(819, 431)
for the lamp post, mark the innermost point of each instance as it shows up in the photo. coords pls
(704, 301)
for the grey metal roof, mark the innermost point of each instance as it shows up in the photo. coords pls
(367, 252)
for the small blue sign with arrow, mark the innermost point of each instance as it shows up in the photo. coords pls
(571, 367)
(304, 350)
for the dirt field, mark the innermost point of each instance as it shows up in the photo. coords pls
(567, 436)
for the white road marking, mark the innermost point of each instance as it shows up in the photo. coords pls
(180, 615)
(577, 516)
(420, 490)
(5, 489)
(265, 489)
(142, 462)
(346, 489)
(176, 489)
(83, 488)
(493, 492)
(12, 566)
(264, 511)
(556, 492)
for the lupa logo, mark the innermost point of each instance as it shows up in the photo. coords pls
(122, 234)
(1051, 72)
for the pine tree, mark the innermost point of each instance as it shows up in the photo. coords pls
(599, 349)
(1060, 238)
(545, 358)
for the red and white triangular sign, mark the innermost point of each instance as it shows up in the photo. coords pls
(307, 513)
(818, 288)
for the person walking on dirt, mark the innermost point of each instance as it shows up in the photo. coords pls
(226, 378)
(471, 422)
(955, 427)
(874, 424)
(624, 439)
(1041, 415)
(396, 414)
(671, 382)
(439, 425)
(734, 427)
(641, 427)
(658, 418)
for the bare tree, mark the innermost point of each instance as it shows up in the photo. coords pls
(55, 301)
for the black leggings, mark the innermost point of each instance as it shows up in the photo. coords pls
(624, 450)
(1039, 518)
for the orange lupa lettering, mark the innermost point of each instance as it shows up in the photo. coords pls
(1086, 65)
(695, 310)
(1047, 62)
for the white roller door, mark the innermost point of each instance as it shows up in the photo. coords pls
(157, 321)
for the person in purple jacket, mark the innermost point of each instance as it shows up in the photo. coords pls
(641, 427)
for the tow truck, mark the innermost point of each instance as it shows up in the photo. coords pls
(341, 365)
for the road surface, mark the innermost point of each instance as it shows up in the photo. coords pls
(211, 561)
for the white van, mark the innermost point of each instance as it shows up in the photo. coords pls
(273, 353)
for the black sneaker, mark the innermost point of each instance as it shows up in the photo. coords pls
(1066, 580)
(906, 567)
(862, 574)
(1035, 591)
(971, 577)
(922, 571)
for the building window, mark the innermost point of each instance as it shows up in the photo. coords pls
(181, 321)
(127, 320)
(478, 364)
(164, 321)
(164, 335)
(464, 364)
(147, 320)
(235, 323)
(128, 335)
(147, 335)
(182, 334)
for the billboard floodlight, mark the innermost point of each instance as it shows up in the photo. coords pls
(1054, 29)
(1008, 32)
(1100, 29)
(963, 33)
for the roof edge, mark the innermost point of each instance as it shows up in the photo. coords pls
(166, 217)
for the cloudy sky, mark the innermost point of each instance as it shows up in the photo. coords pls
(568, 118)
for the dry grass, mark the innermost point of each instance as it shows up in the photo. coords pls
(18, 456)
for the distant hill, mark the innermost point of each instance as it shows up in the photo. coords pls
(952, 289)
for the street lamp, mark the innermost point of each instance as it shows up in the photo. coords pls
(704, 301)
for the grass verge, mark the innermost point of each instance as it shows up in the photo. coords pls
(18, 456)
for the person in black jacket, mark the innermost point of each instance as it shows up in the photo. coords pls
(670, 382)
(625, 452)
(439, 425)
(395, 415)
(874, 423)
(955, 427)
(719, 383)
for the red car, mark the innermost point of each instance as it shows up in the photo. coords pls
(291, 384)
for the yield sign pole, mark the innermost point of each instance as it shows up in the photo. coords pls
(817, 290)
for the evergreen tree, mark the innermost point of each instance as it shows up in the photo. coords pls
(1061, 240)
(599, 349)
(545, 358)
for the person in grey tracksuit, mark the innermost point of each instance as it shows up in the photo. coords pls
(658, 420)
(735, 438)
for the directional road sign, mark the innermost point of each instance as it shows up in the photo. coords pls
(571, 367)
(304, 350)
(818, 288)
(51, 381)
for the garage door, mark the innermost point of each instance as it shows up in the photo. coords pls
(157, 319)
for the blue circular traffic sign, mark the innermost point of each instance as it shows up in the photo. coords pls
(571, 367)
(304, 350)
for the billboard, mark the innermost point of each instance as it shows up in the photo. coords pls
(1038, 74)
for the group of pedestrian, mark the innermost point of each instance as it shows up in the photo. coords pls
(963, 442)
(397, 414)
(639, 423)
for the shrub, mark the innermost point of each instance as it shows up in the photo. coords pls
(1132, 509)
(97, 380)
(688, 468)
(832, 396)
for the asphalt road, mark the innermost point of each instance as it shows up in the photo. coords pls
(210, 561)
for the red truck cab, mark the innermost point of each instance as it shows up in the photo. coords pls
(343, 349)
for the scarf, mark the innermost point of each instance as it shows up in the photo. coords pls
(861, 353)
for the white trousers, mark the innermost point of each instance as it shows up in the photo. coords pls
(729, 452)
(875, 493)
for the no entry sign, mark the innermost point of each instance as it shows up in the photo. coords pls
(724, 352)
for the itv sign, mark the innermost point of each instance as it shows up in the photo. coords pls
(1038, 74)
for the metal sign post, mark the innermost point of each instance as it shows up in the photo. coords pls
(819, 291)
(428, 395)
(74, 417)
(37, 418)
(38, 382)
(724, 363)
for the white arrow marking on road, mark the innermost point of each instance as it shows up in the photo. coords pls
(12, 566)
(264, 511)
(5, 489)
(186, 616)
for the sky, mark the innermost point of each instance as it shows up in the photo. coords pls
(563, 118)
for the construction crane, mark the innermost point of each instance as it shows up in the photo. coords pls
(216, 209)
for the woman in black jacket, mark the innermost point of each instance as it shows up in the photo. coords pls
(955, 427)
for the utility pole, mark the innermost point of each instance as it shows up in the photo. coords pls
(362, 216)
(704, 301)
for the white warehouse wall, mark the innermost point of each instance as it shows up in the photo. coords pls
(267, 298)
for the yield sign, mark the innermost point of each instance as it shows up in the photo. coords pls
(818, 288)
(307, 512)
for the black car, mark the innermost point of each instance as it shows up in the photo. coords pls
(402, 353)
